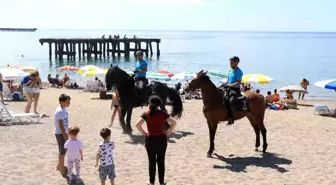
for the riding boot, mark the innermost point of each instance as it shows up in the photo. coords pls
(231, 116)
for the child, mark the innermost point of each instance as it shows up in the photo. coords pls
(115, 106)
(61, 129)
(74, 154)
(105, 154)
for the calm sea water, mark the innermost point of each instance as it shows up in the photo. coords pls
(286, 57)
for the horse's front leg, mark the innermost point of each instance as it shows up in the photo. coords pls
(212, 132)
(128, 120)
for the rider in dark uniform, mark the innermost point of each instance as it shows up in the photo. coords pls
(140, 75)
(234, 80)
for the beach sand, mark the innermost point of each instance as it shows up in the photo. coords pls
(301, 147)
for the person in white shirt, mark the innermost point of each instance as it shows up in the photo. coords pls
(105, 156)
(74, 153)
(61, 129)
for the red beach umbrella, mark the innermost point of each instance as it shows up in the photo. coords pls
(68, 68)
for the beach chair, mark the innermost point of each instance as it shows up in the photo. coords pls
(6, 91)
(89, 86)
(9, 117)
(323, 110)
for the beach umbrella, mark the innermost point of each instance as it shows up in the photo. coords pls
(68, 68)
(256, 78)
(12, 73)
(293, 88)
(28, 69)
(95, 72)
(183, 76)
(327, 84)
(84, 69)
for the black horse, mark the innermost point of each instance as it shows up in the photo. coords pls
(129, 98)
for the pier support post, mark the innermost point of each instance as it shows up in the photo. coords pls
(158, 49)
(151, 48)
(79, 50)
(50, 52)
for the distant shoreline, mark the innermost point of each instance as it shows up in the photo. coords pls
(19, 29)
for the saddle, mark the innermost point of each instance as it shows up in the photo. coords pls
(144, 92)
(241, 103)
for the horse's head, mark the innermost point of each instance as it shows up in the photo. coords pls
(199, 79)
(116, 77)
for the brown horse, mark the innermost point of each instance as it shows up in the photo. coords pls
(214, 110)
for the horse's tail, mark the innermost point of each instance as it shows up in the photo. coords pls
(177, 104)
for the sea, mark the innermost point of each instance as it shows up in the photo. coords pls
(287, 57)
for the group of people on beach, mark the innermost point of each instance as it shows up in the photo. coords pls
(155, 143)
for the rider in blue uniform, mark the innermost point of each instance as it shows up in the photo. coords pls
(140, 75)
(234, 80)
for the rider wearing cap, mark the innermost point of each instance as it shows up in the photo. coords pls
(234, 80)
(140, 73)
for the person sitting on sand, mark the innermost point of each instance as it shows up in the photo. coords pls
(115, 106)
(269, 98)
(289, 95)
(258, 92)
(156, 138)
(65, 78)
(276, 96)
(58, 82)
(50, 80)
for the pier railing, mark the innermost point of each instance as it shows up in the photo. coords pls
(98, 47)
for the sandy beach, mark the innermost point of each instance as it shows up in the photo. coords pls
(301, 147)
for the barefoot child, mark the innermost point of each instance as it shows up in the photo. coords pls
(61, 129)
(115, 106)
(74, 153)
(105, 156)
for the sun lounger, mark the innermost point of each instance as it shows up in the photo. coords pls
(323, 110)
(8, 117)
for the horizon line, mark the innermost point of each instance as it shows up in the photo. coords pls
(190, 30)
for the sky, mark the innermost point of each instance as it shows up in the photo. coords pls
(216, 15)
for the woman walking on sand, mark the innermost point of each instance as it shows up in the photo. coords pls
(156, 138)
(36, 90)
(28, 82)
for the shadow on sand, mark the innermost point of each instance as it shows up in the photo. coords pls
(139, 139)
(239, 164)
(65, 176)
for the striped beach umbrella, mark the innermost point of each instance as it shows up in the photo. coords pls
(327, 84)
(68, 68)
(256, 78)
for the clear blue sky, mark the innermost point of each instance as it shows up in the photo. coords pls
(229, 15)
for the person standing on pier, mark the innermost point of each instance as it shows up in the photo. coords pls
(140, 75)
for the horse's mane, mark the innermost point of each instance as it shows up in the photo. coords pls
(121, 72)
(206, 78)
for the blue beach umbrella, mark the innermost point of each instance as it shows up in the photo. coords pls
(327, 84)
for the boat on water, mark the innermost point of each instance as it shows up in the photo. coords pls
(19, 29)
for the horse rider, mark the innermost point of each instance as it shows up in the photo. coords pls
(234, 80)
(140, 75)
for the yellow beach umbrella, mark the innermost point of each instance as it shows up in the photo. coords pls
(94, 72)
(256, 78)
(27, 69)
(87, 68)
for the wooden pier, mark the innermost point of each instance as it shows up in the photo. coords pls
(98, 47)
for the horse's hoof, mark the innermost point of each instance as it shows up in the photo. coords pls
(256, 149)
(209, 155)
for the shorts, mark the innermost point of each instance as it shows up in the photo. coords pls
(116, 106)
(35, 90)
(1, 87)
(27, 89)
(60, 142)
(105, 171)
